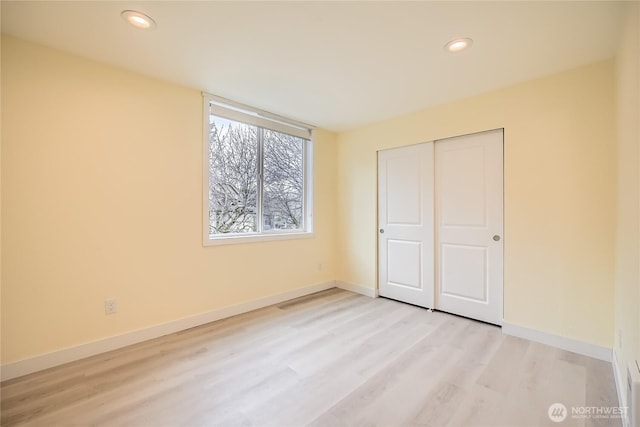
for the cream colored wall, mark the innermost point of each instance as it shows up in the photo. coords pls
(101, 188)
(627, 279)
(559, 195)
(102, 197)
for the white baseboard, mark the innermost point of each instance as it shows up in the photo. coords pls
(564, 343)
(70, 354)
(359, 289)
(622, 401)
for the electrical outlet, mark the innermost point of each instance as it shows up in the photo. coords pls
(110, 306)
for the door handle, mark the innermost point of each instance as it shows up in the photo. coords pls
(496, 237)
(382, 231)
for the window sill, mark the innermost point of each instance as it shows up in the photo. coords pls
(253, 238)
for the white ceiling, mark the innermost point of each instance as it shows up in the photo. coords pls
(337, 65)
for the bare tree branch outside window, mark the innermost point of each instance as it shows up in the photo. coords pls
(283, 180)
(235, 152)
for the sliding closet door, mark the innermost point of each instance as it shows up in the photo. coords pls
(406, 224)
(469, 225)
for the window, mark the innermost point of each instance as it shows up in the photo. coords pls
(257, 174)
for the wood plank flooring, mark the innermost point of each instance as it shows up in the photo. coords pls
(330, 359)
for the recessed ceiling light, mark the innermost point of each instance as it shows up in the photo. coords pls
(138, 19)
(458, 45)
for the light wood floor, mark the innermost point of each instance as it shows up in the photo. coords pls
(330, 359)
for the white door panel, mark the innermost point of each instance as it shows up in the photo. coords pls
(464, 272)
(406, 224)
(464, 202)
(469, 203)
(404, 263)
(403, 174)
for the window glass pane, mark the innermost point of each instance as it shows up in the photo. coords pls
(233, 180)
(283, 181)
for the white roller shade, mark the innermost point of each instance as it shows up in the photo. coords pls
(222, 107)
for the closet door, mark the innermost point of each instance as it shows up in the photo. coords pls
(406, 224)
(469, 225)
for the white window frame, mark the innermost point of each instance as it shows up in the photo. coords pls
(222, 107)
